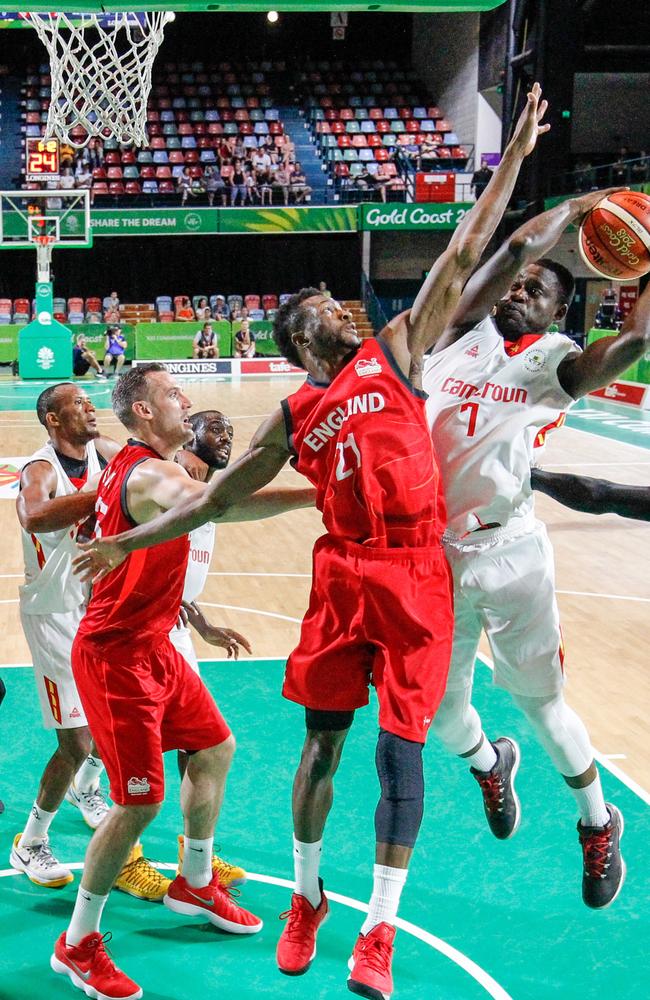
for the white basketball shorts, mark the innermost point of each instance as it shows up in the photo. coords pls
(181, 639)
(50, 639)
(506, 588)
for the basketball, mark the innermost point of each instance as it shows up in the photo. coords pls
(614, 238)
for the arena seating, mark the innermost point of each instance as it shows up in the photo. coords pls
(76, 310)
(371, 113)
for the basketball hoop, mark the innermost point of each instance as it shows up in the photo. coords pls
(101, 73)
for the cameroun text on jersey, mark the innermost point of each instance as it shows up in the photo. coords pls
(491, 390)
(367, 402)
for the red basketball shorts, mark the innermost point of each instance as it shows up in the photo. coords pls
(376, 616)
(139, 706)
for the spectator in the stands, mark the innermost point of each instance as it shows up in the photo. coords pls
(621, 169)
(282, 181)
(387, 182)
(93, 153)
(83, 177)
(221, 310)
(640, 168)
(184, 185)
(584, 176)
(66, 179)
(427, 153)
(480, 179)
(324, 290)
(83, 359)
(184, 310)
(114, 350)
(244, 341)
(299, 187)
(112, 308)
(261, 159)
(214, 184)
(238, 188)
(286, 148)
(263, 181)
(203, 310)
(66, 155)
(205, 343)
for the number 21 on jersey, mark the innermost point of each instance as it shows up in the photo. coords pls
(349, 457)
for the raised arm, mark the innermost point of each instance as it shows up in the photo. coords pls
(526, 245)
(255, 468)
(412, 334)
(593, 496)
(603, 360)
(37, 507)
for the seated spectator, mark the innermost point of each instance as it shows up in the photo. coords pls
(299, 187)
(640, 168)
(244, 341)
(66, 155)
(238, 187)
(428, 152)
(115, 348)
(203, 310)
(93, 154)
(282, 182)
(83, 359)
(214, 184)
(221, 309)
(83, 177)
(620, 169)
(205, 343)
(251, 187)
(385, 181)
(261, 159)
(324, 290)
(112, 308)
(66, 180)
(184, 310)
(263, 185)
(184, 185)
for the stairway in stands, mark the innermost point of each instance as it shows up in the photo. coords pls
(294, 126)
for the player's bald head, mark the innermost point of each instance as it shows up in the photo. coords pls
(51, 400)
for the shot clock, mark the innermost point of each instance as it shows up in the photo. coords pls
(42, 160)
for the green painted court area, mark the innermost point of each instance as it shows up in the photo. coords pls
(512, 911)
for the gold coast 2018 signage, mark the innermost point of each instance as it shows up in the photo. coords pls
(430, 216)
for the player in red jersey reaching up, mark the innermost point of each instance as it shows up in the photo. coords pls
(140, 695)
(380, 610)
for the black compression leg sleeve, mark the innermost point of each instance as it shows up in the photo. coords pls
(399, 811)
(334, 721)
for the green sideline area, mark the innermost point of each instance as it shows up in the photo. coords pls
(513, 908)
(150, 341)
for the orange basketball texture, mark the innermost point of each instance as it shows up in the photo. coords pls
(614, 238)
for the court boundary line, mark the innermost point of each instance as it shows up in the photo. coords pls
(457, 957)
(602, 759)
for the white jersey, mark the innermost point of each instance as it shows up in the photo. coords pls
(198, 564)
(488, 412)
(50, 585)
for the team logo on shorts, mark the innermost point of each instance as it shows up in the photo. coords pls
(534, 360)
(138, 786)
(369, 367)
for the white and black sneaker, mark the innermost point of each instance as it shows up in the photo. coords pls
(39, 864)
(92, 805)
(502, 808)
(604, 869)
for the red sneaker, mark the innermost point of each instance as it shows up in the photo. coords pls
(371, 960)
(214, 902)
(92, 970)
(296, 948)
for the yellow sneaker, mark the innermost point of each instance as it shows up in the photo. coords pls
(139, 878)
(229, 875)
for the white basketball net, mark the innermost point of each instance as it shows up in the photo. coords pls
(101, 73)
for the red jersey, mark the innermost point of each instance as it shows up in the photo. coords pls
(363, 442)
(137, 604)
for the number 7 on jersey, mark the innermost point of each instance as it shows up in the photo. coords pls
(473, 414)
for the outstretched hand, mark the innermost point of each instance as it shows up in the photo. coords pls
(227, 638)
(529, 127)
(97, 558)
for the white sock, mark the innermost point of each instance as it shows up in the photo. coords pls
(387, 885)
(484, 758)
(36, 827)
(197, 861)
(87, 777)
(86, 915)
(593, 811)
(306, 863)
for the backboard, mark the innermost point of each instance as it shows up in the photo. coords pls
(62, 215)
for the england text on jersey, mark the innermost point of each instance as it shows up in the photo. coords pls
(368, 402)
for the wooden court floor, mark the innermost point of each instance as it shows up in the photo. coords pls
(259, 579)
